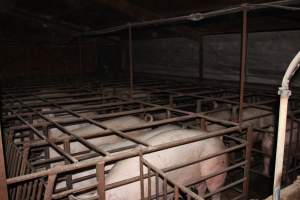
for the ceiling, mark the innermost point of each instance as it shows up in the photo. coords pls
(60, 21)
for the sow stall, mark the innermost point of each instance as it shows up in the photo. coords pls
(27, 145)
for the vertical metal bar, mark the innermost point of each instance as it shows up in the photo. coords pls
(198, 105)
(142, 175)
(130, 61)
(176, 193)
(49, 187)
(244, 49)
(149, 183)
(47, 148)
(165, 189)
(26, 185)
(80, 58)
(3, 185)
(23, 169)
(67, 148)
(248, 162)
(156, 186)
(200, 59)
(203, 124)
(100, 168)
(29, 190)
(40, 191)
(34, 190)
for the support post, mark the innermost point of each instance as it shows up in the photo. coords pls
(80, 59)
(130, 62)
(50, 187)
(3, 185)
(100, 168)
(244, 49)
(200, 59)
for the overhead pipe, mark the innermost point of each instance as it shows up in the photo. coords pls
(198, 16)
(284, 93)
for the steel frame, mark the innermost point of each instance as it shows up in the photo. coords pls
(31, 111)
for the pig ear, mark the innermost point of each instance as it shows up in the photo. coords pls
(148, 117)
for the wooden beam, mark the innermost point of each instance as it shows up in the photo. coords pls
(142, 14)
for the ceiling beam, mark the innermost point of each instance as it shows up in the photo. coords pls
(142, 14)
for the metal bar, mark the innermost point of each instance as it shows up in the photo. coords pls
(60, 127)
(244, 49)
(100, 168)
(50, 186)
(141, 175)
(168, 169)
(67, 148)
(198, 16)
(120, 156)
(95, 148)
(248, 162)
(130, 61)
(3, 185)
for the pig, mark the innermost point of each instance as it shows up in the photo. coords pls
(109, 147)
(166, 158)
(86, 129)
(268, 145)
(266, 122)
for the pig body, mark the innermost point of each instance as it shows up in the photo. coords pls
(87, 129)
(108, 147)
(166, 158)
(265, 122)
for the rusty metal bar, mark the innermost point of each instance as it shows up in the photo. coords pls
(244, 49)
(117, 132)
(248, 162)
(119, 156)
(198, 16)
(130, 61)
(50, 186)
(100, 168)
(3, 185)
(141, 175)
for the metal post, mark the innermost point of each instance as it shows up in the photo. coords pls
(248, 162)
(200, 59)
(80, 59)
(3, 185)
(142, 176)
(130, 61)
(244, 49)
(100, 168)
(50, 187)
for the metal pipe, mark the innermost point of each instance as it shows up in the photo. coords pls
(198, 16)
(243, 61)
(284, 93)
(3, 185)
(130, 61)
